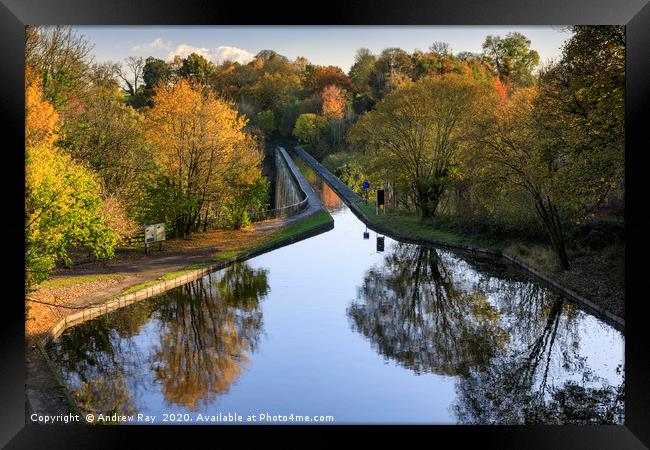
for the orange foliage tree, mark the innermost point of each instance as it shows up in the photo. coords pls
(321, 76)
(333, 102)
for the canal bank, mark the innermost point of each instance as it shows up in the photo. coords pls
(45, 394)
(358, 206)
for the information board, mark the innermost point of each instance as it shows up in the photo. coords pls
(154, 233)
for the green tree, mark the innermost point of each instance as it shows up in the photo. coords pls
(288, 116)
(155, 71)
(251, 198)
(265, 121)
(364, 63)
(416, 133)
(196, 68)
(512, 57)
(308, 128)
(351, 174)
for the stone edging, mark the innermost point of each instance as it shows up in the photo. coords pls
(345, 193)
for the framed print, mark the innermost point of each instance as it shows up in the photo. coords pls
(373, 217)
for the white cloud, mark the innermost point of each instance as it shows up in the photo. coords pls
(216, 55)
(233, 54)
(156, 44)
(185, 50)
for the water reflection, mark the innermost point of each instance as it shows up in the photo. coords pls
(202, 335)
(330, 199)
(514, 345)
(412, 312)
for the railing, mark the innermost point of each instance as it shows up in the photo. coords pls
(280, 212)
(285, 211)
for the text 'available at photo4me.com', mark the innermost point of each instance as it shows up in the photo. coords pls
(198, 418)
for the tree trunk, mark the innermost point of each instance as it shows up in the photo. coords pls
(428, 201)
(205, 221)
(549, 214)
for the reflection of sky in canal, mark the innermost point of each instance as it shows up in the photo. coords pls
(328, 329)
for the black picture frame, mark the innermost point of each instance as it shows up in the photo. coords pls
(635, 14)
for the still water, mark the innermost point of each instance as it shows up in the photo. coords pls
(335, 325)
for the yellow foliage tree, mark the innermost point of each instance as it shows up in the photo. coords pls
(201, 145)
(41, 120)
(63, 205)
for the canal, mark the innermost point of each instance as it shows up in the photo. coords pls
(355, 326)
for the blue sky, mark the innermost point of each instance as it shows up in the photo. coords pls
(324, 45)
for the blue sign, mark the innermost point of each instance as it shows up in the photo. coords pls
(366, 185)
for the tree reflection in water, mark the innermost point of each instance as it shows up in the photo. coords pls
(504, 338)
(207, 330)
(412, 312)
(210, 329)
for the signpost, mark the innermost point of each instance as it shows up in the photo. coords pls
(380, 201)
(380, 244)
(366, 186)
(153, 233)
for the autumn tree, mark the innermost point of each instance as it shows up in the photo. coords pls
(416, 134)
(60, 57)
(390, 63)
(63, 204)
(201, 144)
(108, 136)
(333, 102)
(516, 150)
(320, 76)
(273, 90)
(581, 108)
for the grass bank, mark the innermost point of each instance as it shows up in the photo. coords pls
(75, 280)
(292, 232)
(595, 274)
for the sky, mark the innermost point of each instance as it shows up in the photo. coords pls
(323, 45)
